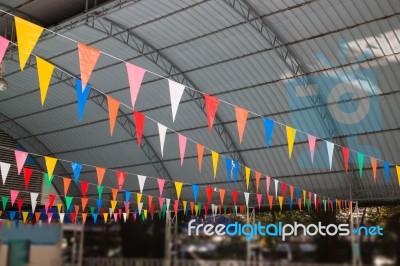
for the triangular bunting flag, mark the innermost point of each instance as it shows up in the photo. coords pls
(209, 191)
(280, 200)
(128, 195)
(182, 146)
(229, 164)
(160, 183)
(246, 197)
(386, 169)
(52, 198)
(241, 119)
(34, 197)
(270, 199)
(211, 106)
(27, 35)
(81, 97)
(269, 129)
(20, 202)
(311, 145)
(135, 77)
(3, 47)
(84, 202)
(84, 188)
(66, 182)
(121, 176)
(195, 189)
(178, 188)
(291, 135)
(398, 174)
(4, 201)
(68, 200)
(27, 176)
(114, 193)
(268, 182)
(258, 177)
(13, 196)
(360, 157)
(330, 146)
(142, 180)
(20, 157)
(100, 174)
(175, 91)
(234, 196)
(24, 216)
(113, 205)
(5, 168)
(139, 198)
(222, 195)
(45, 71)
(113, 107)
(259, 200)
(247, 175)
(276, 182)
(200, 152)
(162, 131)
(88, 57)
(100, 190)
(215, 156)
(139, 123)
(345, 152)
(374, 166)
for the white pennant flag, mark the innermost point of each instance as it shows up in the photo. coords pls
(235, 210)
(315, 200)
(276, 188)
(140, 207)
(175, 91)
(246, 197)
(124, 214)
(162, 130)
(62, 215)
(168, 202)
(34, 197)
(110, 212)
(5, 167)
(330, 146)
(141, 179)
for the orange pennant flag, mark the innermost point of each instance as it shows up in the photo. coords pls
(113, 106)
(222, 195)
(100, 174)
(84, 216)
(114, 193)
(84, 202)
(270, 198)
(258, 176)
(241, 118)
(88, 57)
(67, 182)
(37, 216)
(374, 165)
(398, 173)
(200, 152)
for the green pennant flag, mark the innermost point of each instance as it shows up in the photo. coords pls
(308, 204)
(92, 210)
(4, 199)
(225, 209)
(48, 179)
(200, 205)
(100, 190)
(142, 216)
(68, 200)
(159, 215)
(360, 157)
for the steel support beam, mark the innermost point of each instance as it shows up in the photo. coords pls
(296, 67)
(126, 37)
(123, 120)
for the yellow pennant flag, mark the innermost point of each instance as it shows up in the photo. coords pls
(8, 225)
(113, 205)
(184, 206)
(59, 206)
(398, 173)
(24, 216)
(178, 187)
(196, 209)
(105, 216)
(304, 197)
(138, 198)
(50, 164)
(291, 135)
(145, 214)
(247, 172)
(215, 156)
(280, 199)
(27, 35)
(45, 71)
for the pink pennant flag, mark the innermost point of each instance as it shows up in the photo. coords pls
(14, 195)
(268, 182)
(135, 77)
(182, 146)
(49, 217)
(139, 123)
(176, 205)
(311, 145)
(161, 202)
(259, 198)
(3, 47)
(161, 183)
(20, 157)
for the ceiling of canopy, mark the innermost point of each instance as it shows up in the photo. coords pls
(258, 55)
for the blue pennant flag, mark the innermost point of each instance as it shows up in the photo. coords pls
(76, 168)
(297, 192)
(195, 189)
(12, 215)
(81, 97)
(95, 217)
(228, 162)
(236, 170)
(386, 167)
(99, 203)
(269, 128)
(127, 195)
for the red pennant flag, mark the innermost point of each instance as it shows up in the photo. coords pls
(73, 216)
(88, 57)
(258, 176)
(150, 200)
(205, 209)
(209, 191)
(52, 198)
(121, 176)
(113, 106)
(200, 152)
(241, 118)
(84, 203)
(222, 195)
(345, 152)
(135, 77)
(27, 176)
(192, 207)
(19, 204)
(211, 105)
(234, 196)
(100, 174)
(270, 199)
(114, 194)
(67, 182)
(291, 189)
(299, 203)
(283, 189)
(139, 122)
(84, 187)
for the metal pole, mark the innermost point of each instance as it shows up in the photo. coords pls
(81, 242)
(167, 240)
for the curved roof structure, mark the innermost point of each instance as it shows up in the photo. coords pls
(328, 68)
